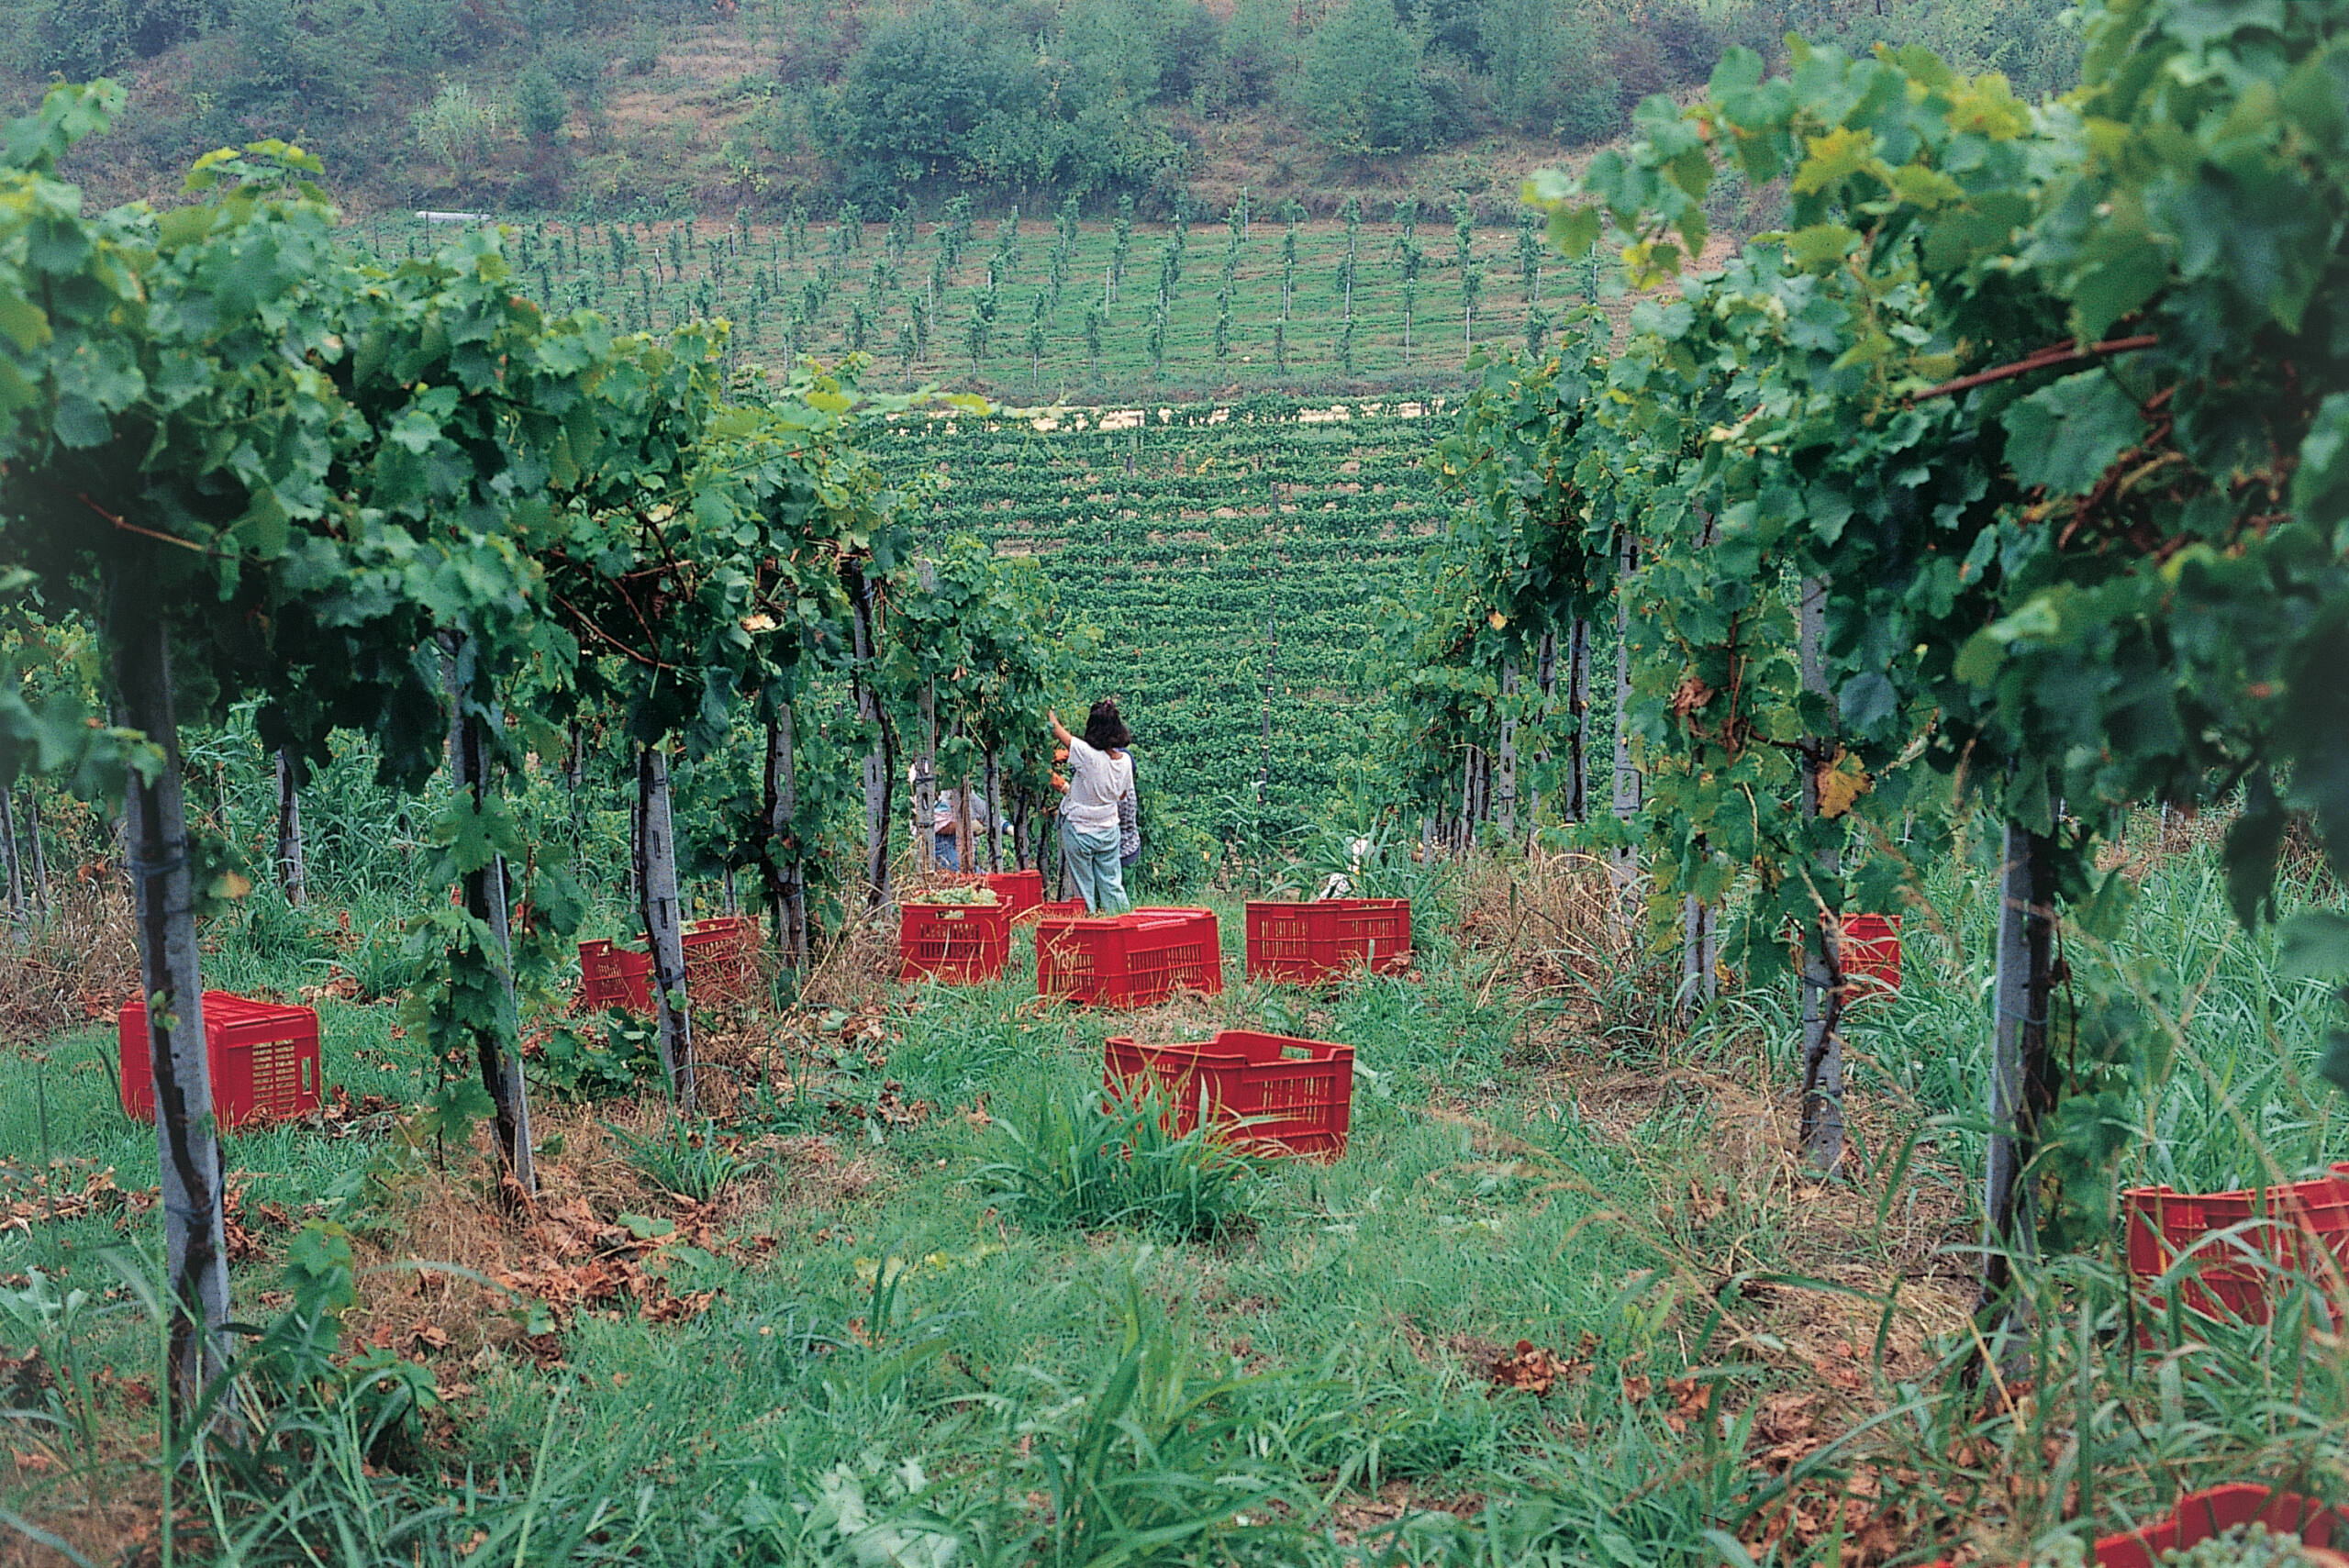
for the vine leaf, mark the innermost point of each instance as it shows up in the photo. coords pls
(1867, 702)
(2335, 1068)
(2066, 436)
(1841, 786)
(2316, 944)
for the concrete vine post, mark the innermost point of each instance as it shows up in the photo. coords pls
(1505, 755)
(157, 855)
(1625, 860)
(664, 932)
(1699, 957)
(1545, 682)
(1576, 807)
(783, 864)
(2021, 1083)
(1822, 948)
(1272, 658)
(879, 786)
(925, 781)
(8, 852)
(995, 812)
(925, 785)
(292, 873)
(965, 848)
(484, 889)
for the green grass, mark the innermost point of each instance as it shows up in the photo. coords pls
(975, 1356)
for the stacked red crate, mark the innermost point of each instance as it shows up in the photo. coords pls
(2304, 1232)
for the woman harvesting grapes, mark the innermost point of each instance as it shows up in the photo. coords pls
(1101, 779)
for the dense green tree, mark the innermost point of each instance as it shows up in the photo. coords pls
(1527, 45)
(84, 38)
(1111, 49)
(923, 87)
(1454, 27)
(540, 107)
(1362, 87)
(1258, 48)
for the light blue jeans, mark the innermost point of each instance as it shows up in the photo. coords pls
(1093, 866)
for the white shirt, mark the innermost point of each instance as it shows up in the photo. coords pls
(1097, 781)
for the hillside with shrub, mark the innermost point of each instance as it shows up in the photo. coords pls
(665, 107)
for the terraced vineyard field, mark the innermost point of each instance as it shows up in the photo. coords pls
(1203, 541)
(1055, 308)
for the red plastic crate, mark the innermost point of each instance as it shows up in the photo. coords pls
(2201, 1514)
(264, 1059)
(1306, 943)
(1061, 909)
(721, 966)
(1130, 959)
(965, 943)
(722, 959)
(1871, 954)
(1276, 1093)
(612, 976)
(1176, 1067)
(2302, 1226)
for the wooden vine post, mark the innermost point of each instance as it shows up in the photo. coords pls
(39, 856)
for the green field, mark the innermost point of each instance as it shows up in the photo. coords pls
(1488, 1335)
(760, 278)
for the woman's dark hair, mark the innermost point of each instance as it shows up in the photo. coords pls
(1104, 730)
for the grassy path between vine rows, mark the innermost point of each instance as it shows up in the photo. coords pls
(1567, 1298)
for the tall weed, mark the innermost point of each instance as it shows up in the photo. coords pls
(1087, 1161)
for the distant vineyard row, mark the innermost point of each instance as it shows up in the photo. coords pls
(1205, 541)
(1060, 310)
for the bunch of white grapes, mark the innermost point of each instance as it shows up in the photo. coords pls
(2252, 1547)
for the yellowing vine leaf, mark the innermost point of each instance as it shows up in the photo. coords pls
(1841, 784)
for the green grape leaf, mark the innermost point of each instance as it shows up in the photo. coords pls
(2316, 944)
(1868, 702)
(2064, 435)
(2334, 1065)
